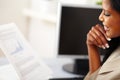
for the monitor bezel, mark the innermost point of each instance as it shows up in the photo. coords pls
(60, 5)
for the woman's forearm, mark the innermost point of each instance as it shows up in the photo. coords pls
(96, 37)
(94, 58)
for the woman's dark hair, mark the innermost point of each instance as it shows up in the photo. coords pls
(115, 5)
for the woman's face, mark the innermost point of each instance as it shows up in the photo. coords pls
(110, 19)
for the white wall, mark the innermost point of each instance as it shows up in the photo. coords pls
(11, 11)
(43, 30)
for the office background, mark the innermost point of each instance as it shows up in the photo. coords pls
(36, 19)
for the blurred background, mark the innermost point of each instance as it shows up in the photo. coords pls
(36, 19)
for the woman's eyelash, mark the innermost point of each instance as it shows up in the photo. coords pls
(106, 14)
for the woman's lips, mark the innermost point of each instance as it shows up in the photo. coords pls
(107, 29)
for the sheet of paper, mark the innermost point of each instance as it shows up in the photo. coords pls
(21, 55)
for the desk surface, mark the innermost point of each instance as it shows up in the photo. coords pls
(56, 65)
(8, 73)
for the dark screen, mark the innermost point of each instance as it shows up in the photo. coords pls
(74, 25)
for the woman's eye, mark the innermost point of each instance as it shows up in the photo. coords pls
(106, 14)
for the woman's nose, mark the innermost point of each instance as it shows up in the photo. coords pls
(101, 17)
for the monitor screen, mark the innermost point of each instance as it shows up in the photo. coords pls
(73, 25)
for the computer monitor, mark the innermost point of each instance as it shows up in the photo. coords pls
(74, 22)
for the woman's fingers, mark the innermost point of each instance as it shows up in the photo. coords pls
(103, 31)
(100, 33)
(97, 36)
(91, 38)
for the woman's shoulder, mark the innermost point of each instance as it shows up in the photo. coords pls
(111, 67)
(113, 60)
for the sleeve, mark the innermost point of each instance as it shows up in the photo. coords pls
(91, 76)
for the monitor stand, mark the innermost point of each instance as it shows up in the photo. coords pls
(80, 67)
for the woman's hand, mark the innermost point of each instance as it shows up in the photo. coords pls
(96, 37)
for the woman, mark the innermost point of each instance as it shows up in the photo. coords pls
(100, 37)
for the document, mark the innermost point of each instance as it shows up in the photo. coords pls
(21, 55)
